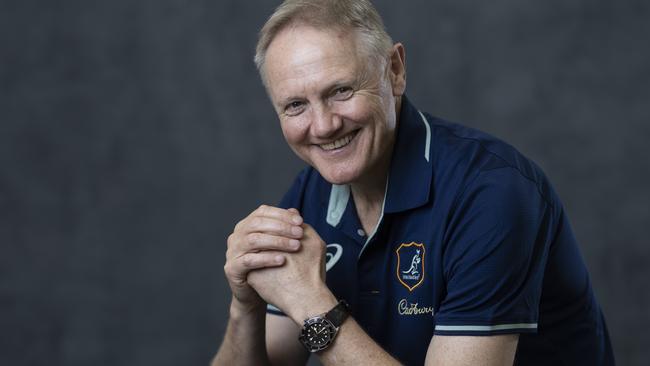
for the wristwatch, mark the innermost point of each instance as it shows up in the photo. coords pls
(318, 332)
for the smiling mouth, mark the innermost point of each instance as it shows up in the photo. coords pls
(343, 141)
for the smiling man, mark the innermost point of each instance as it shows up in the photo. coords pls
(408, 239)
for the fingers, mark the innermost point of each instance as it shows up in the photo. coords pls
(266, 228)
(251, 261)
(311, 240)
(260, 241)
(237, 269)
(272, 220)
(272, 226)
(289, 216)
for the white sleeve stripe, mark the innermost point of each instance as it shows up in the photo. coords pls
(272, 308)
(485, 328)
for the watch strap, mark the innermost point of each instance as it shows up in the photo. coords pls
(338, 314)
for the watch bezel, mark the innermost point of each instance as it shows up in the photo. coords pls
(309, 324)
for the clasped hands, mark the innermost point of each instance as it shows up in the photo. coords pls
(274, 257)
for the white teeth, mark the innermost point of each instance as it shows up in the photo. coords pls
(338, 143)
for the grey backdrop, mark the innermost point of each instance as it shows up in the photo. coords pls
(134, 134)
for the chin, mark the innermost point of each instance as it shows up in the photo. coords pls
(339, 176)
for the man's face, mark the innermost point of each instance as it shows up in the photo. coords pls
(336, 108)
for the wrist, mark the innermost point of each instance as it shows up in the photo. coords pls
(318, 304)
(240, 310)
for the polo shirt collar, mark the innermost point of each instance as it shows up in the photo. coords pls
(409, 180)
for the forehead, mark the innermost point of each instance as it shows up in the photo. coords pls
(303, 54)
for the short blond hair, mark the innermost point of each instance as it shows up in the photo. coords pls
(357, 15)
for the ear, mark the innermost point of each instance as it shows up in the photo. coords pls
(398, 69)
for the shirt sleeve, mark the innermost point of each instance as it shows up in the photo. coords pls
(496, 249)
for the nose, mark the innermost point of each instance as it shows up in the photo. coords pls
(325, 122)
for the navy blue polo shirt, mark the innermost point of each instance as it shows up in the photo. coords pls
(472, 240)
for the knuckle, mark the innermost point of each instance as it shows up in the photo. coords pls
(239, 227)
(248, 261)
(234, 243)
(287, 243)
(231, 240)
(231, 253)
(253, 239)
(256, 221)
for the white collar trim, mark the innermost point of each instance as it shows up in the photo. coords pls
(339, 196)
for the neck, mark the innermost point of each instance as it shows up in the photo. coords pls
(368, 206)
(368, 195)
(371, 192)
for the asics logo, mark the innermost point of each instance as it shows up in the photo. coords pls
(334, 252)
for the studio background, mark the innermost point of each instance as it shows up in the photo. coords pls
(135, 134)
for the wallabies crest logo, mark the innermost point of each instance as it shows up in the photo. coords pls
(410, 264)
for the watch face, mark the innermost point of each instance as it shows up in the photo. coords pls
(317, 334)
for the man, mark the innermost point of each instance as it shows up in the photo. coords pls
(446, 245)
